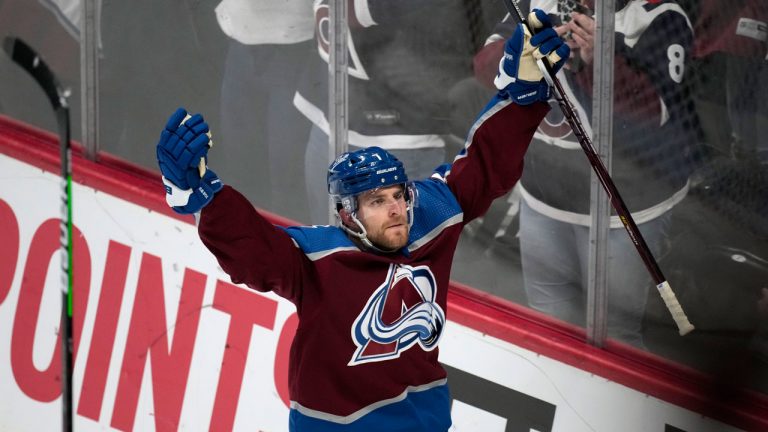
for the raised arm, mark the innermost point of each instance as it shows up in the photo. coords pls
(492, 160)
(249, 248)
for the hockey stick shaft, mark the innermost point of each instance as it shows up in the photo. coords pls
(670, 300)
(26, 57)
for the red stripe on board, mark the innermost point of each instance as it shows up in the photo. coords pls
(639, 370)
(496, 317)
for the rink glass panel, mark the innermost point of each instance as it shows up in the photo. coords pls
(155, 57)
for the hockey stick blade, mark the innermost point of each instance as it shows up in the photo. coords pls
(24, 56)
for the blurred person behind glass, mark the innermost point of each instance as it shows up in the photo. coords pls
(268, 45)
(731, 70)
(653, 136)
(726, 223)
(403, 58)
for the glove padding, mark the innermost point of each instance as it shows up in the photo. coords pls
(519, 75)
(188, 201)
(183, 149)
(182, 153)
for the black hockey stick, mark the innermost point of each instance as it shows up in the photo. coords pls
(23, 55)
(670, 300)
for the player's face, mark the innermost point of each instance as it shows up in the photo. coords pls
(383, 212)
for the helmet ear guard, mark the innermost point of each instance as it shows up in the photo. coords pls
(348, 203)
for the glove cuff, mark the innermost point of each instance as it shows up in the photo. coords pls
(526, 92)
(189, 201)
(175, 196)
(503, 79)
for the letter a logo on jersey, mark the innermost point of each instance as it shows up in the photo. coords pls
(401, 312)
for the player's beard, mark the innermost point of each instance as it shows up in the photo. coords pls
(392, 235)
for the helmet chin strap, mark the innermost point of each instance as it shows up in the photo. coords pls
(363, 235)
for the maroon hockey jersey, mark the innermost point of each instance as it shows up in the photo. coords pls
(365, 353)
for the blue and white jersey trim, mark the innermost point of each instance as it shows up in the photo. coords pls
(435, 232)
(496, 104)
(320, 240)
(435, 210)
(418, 406)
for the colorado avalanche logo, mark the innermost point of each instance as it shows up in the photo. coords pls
(401, 313)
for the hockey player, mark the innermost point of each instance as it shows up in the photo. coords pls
(370, 293)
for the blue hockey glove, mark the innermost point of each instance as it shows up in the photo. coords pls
(182, 153)
(188, 201)
(183, 148)
(519, 74)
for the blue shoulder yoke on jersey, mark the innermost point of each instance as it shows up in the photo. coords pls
(436, 208)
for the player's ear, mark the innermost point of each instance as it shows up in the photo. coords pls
(346, 218)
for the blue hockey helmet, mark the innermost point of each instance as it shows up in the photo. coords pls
(362, 170)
